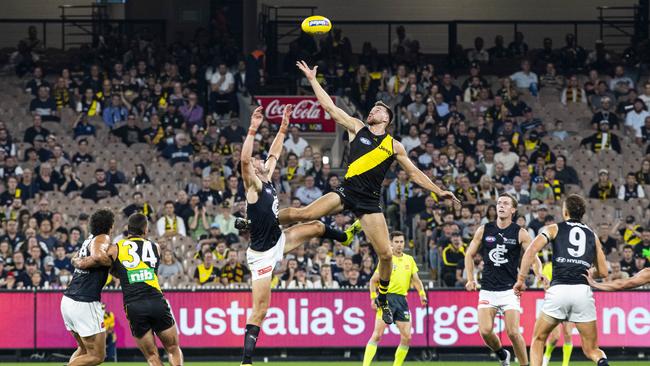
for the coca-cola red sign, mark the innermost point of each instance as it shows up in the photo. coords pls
(307, 112)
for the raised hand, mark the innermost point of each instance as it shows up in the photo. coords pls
(309, 73)
(256, 118)
(286, 116)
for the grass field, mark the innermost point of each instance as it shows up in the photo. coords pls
(614, 363)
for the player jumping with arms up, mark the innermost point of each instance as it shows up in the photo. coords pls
(575, 249)
(405, 273)
(372, 151)
(500, 244)
(81, 305)
(268, 241)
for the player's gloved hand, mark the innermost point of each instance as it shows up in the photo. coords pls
(519, 287)
(471, 286)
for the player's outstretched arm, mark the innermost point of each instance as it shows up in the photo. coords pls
(471, 251)
(417, 176)
(350, 123)
(102, 254)
(276, 147)
(639, 279)
(248, 172)
(545, 236)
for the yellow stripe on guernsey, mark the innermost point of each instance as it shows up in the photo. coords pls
(372, 158)
(148, 275)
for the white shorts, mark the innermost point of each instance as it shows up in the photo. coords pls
(574, 303)
(500, 300)
(261, 264)
(83, 318)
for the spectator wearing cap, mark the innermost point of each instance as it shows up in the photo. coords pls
(602, 140)
(129, 133)
(207, 273)
(573, 93)
(635, 119)
(631, 189)
(50, 272)
(169, 224)
(101, 189)
(605, 114)
(225, 219)
(452, 254)
(542, 192)
(603, 189)
(35, 129)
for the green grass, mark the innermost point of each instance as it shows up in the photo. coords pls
(616, 363)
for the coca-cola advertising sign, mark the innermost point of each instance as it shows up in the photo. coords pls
(307, 113)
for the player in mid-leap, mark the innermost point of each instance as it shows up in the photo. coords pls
(372, 151)
(269, 242)
(575, 249)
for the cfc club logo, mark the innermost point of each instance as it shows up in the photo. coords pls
(365, 141)
(496, 255)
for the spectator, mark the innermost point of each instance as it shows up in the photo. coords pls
(114, 175)
(551, 79)
(508, 158)
(599, 58)
(573, 93)
(140, 176)
(61, 260)
(326, 281)
(233, 272)
(199, 222)
(295, 144)
(309, 192)
(450, 92)
(35, 130)
(541, 191)
(604, 114)
(645, 97)
(641, 263)
(603, 189)
(225, 220)
(601, 93)
(620, 84)
(33, 86)
(452, 254)
(192, 112)
(518, 191)
(222, 87)
(100, 189)
(635, 119)
(206, 273)
(46, 180)
(616, 273)
(643, 248)
(129, 133)
(70, 181)
(115, 113)
(169, 224)
(299, 281)
(631, 189)
(518, 48)
(602, 140)
(82, 155)
(555, 184)
(88, 105)
(139, 205)
(207, 195)
(180, 151)
(498, 51)
(526, 79)
(478, 53)
(643, 175)
(44, 105)
(628, 263)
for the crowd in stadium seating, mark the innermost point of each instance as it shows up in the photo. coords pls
(477, 134)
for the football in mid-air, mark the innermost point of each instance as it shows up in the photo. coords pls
(316, 24)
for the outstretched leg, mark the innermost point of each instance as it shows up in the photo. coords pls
(328, 204)
(261, 302)
(376, 230)
(301, 233)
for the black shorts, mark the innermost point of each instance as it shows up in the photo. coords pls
(151, 314)
(357, 203)
(399, 307)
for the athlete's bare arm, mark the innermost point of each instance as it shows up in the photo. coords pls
(601, 260)
(419, 287)
(248, 171)
(471, 251)
(417, 176)
(276, 147)
(546, 234)
(639, 279)
(350, 123)
(102, 254)
(526, 240)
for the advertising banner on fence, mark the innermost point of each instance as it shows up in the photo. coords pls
(307, 113)
(314, 319)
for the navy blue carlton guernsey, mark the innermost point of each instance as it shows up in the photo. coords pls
(263, 216)
(86, 285)
(574, 251)
(501, 251)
